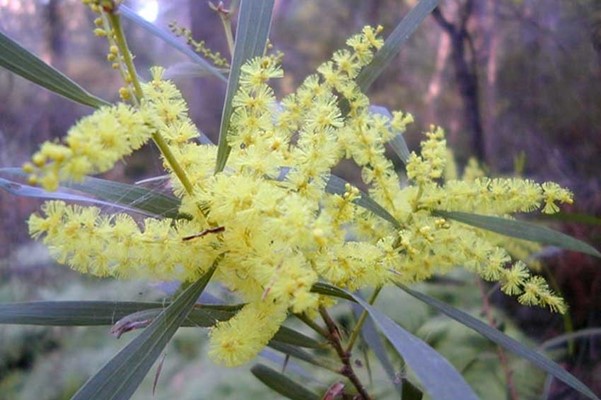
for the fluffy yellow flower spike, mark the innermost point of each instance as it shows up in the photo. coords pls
(268, 216)
(92, 146)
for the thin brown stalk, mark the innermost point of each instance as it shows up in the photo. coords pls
(345, 356)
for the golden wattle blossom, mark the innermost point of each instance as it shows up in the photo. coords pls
(269, 217)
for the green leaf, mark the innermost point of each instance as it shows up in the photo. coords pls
(398, 143)
(70, 313)
(567, 337)
(131, 196)
(105, 192)
(187, 70)
(172, 41)
(521, 230)
(505, 341)
(27, 65)
(399, 146)
(374, 343)
(336, 185)
(122, 375)
(438, 377)
(295, 338)
(300, 354)
(97, 313)
(393, 43)
(282, 384)
(254, 22)
(328, 290)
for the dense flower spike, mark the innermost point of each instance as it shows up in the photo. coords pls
(92, 146)
(270, 217)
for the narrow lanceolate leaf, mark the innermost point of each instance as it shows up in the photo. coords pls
(300, 354)
(398, 143)
(70, 313)
(132, 196)
(374, 343)
(172, 41)
(505, 341)
(438, 377)
(98, 313)
(295, 338)
(282, 384)
(254, 21)
(329, 290)
(393, 43)
(521, 230)
(337, 185)
(100, 192)
(22, 190)
(185, 70)
(399, 146)
(27, 65)
(122, 375)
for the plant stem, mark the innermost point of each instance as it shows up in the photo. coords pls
(311, 324)
(132, 75)
(159, 140)
(345, 356)
(121, 43)
(512, 392)
(227, 28)
(361, 321)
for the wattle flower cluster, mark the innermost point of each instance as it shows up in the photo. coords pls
(269, 217)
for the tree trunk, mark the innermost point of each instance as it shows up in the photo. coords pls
(209, 93)
(490, 45)
(463, 59)
(434, 87)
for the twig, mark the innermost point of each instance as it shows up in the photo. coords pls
(345, 356)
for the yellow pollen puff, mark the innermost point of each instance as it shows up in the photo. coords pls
(28, 168)
(124, 93)
(38, 159)
(32, 179)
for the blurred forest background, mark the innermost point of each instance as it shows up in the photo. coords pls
(515, 83)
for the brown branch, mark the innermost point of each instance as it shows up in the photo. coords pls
(345, 356)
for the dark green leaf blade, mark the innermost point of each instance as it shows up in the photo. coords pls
(171, 40)
(503, 340)
(254, 22)
(295, 338)
(393, 43)
(70, 313)
(295, 352)
(131, 196)
(397, 143)
(521, 230)
(122, 375)
(25, 64)
(98, 313)
(329, 290)
(438, 377)
(375, 344)
(282, 384)
(106, 193)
